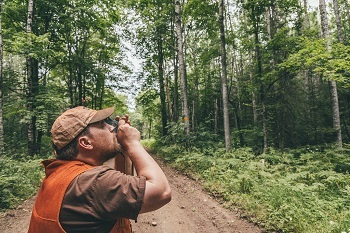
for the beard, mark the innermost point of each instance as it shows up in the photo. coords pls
(111, 153)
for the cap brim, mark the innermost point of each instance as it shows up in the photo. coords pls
(102, 114)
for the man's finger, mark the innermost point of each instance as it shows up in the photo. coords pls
(126, 119)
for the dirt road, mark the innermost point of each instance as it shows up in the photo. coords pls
(190, 211)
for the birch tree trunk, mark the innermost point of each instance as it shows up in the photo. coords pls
(1, 87)
(347, 10)
(338, 21)
(224, 77)
(333, 84)
(183, 87)
(29, 94)
(176, 91)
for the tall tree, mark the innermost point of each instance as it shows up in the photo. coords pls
(161, 31)
(224, 77)
(157, 54)
(31, 69)
(338, 21)
(175, 105)
(333, 84)
(256, 10)
(182, 69)
(306, 15)
(1, 86)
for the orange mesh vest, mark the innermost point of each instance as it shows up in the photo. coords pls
(45, 215)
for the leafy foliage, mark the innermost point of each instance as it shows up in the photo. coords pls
(303, 190)
(19, 180)
(313, 55)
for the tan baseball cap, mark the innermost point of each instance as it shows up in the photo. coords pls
(68, 125)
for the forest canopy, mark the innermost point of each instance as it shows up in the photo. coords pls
(256, 74)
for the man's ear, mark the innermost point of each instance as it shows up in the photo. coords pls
(85, 143)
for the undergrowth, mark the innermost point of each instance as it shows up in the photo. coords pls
(305, 190)
(20, 178)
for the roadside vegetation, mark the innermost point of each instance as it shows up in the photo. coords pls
(297, 190)
(291, 190)
(20, 179)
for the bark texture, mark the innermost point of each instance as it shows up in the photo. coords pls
(183, 88)
(333, 84)
(1, 87)
(30, 85)
(224, 77)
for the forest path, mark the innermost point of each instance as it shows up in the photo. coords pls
(191, 210)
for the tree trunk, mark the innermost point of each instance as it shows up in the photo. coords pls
(182, 71)
(224, 77)
(176, 94)
(237, 71)
(333, 84)
(258, 57)
(161, 80)
(81, 70)
(169, 106)
(70, 74)
(347, 10)
(306, 73)
(102, 92)
(306, 16)
(175, 102)
(176, 91)
(251, 76)
(266, 145)
(30, 85)
(254, 105)
(193, 115)
(338, 22)
(216, 116)
(268, 22)
(1, 87)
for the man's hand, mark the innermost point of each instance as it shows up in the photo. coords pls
(125, 118)
(157, 191)
(127, 135)
(123, 162)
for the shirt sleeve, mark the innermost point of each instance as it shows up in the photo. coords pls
(106, 194)
(117, 195)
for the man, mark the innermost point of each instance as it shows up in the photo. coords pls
(79, 194)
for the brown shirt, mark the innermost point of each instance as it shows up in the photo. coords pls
(97, 197)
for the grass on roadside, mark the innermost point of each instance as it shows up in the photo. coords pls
(304, 190)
